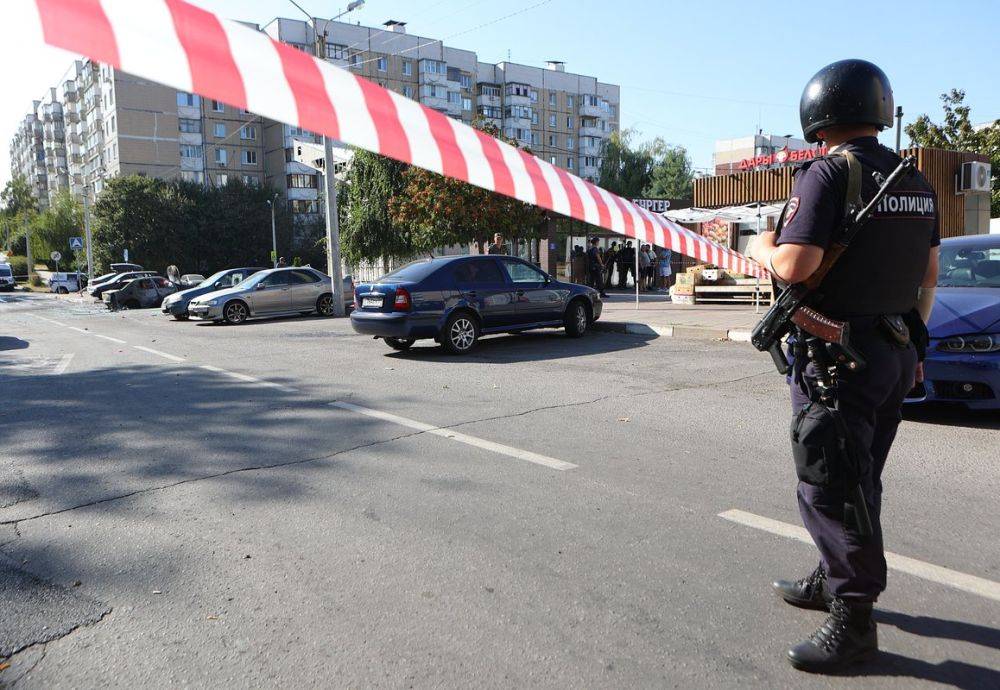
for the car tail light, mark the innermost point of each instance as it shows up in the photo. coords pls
(402, 301)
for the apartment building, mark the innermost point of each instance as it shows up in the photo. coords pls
(100, 122)
(562, 117)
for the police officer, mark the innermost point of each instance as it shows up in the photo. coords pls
(887, 274)
(595, 267)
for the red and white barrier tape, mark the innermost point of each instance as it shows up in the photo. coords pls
(185, 47)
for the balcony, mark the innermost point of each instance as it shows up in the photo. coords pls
(592, 110)
(592, 131)
(487, 100)
(590, 149)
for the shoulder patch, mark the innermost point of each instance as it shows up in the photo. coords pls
(793, 206)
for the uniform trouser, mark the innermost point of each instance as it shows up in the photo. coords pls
(596, 279)
(870, 403)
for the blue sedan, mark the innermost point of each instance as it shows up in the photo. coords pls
(455, 300)
(963, 360)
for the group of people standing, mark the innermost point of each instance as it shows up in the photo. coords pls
(654, 266)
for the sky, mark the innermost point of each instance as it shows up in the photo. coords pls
(690, 72)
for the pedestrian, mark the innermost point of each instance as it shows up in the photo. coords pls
(595, 268)
(641, 280)
(497, 246)
(282, 263)
(626, 263)
(664, 269)
(610, 259)
(651, 269)
(845, 105)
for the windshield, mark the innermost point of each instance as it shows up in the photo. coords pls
(415, 272)
(969, 266)
(252, 280)
(5, 271)
(211, 280)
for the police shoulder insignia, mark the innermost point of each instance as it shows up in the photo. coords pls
(793, 206)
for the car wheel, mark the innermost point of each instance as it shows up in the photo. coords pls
(401, 344)
(235, 313)
(576, 319)
(131, 304)
(324, 305)
(180, 317)
(460, 333)
(62, 291)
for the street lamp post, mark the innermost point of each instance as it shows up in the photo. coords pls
(334, 269)
(274, 235)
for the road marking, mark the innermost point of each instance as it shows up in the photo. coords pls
(58, 323)
(79, 330)
(248, 379)
(63, 363)
(165, 355)
(904, 564)
(500, 448)
(108, 337)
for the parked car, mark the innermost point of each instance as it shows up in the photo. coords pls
(276, 291)
(963, 359)
(191, 279)
(176, 304)
(64, 283)
(139, 293)
(116, 282)
(125, 268)
(7, 281)
(454, 300)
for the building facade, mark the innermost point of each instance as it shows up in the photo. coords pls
(100, 122)
(757, 152)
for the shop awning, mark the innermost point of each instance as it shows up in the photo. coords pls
(731, 214)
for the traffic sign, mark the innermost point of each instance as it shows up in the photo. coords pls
(55, 256)
(75, 243)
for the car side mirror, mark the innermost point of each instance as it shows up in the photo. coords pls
(219, 284)
(261, 286)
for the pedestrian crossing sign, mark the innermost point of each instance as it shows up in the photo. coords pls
(75, 243)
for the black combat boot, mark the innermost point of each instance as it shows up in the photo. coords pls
(808, 593)
(849, 635)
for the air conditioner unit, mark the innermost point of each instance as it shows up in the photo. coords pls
(974, 177)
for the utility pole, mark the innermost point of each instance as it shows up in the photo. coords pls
(86, 232)
(899, 125)
(274, 236)
(333, 266)
(27, 247)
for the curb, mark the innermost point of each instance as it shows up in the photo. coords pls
(738, 335)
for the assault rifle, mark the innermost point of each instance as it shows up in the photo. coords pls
(789, 309)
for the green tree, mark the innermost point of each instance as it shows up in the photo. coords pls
(957, 133)
(368, 231)
(626, 169)
(672, 176)
(52, 228)
(442, 211)
(19, 208)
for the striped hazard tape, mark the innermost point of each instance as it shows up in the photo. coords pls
(185, 47)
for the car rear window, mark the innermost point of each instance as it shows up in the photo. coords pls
(4, 271)
(412, 272)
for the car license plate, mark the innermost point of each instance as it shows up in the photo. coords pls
(371, 302)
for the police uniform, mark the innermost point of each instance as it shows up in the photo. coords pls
(873, 285)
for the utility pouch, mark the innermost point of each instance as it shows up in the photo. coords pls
(819, 445)
(918, 332)
(894, 328)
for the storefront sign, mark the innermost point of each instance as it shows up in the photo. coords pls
(782, 157)
(653, 205)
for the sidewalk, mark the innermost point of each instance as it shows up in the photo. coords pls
(658, 315)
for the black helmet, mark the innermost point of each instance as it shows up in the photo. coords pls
(848, 92)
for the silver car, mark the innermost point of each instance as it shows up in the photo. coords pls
(273, 292)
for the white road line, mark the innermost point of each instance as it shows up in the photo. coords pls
(58, 323)
(63, 363)
(904, 564)
(500, 448)
(165, 355)
(108, 337)
(79, 330)
(248, 379)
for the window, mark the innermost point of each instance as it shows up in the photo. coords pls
(569, 143)
(535, 139)
(221, 179)
(516, 90)
(466, 103)
(302, 181)
(466, 81)
(489, 90)
(552, 160)
(522, 273)
(248, 132)
(220, 130)
(433, 67)
(303, 206)
(355, 59)
(478, 272)
(112, 123)
(193, 176)
(191, 126)
(533, 95)
(185, 98)
(251, 180)
(521, 112)
(221, 157)
(552, 120)
(408, 91)
(569, 163)
(552, 98)
(336, 51)
(191, 151)
(454, 97)
(552, 140)
(492, 111)
(407, 68)
(300, 277)
(569, 122)
(569, 102)
(249, 157)
(275, 279)
(534, 117)
(218, 107)
(382, 64)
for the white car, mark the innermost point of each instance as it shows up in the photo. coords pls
(64, 283)
(7, 281)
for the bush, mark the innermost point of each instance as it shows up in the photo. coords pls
(18, 264)
(36, 280)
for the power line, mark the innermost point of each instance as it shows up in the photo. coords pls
(707, 97)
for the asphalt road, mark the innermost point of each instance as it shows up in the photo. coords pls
(285, 503)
